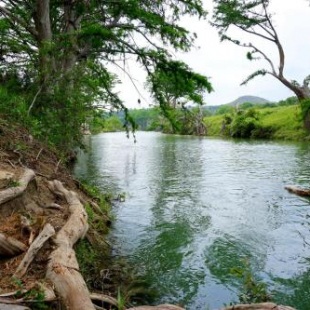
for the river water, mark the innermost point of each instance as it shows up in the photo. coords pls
(198, 208)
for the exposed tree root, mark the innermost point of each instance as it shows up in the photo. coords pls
(63, 268)
(10, 247)
(37, 244)
(13, 192)
(104, 298)
(159, 307)
(12, 307)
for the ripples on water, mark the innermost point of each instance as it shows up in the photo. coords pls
(196, 208)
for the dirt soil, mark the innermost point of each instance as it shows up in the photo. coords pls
(19, 150)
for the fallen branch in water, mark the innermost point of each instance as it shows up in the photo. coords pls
(259, 306)
(297, 190)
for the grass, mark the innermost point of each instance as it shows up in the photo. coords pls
(286, 122)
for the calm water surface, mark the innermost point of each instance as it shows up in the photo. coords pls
(196, 208)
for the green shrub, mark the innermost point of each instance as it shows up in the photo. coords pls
(305, 113)
(244, 123)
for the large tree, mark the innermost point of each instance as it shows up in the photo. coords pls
(62, 49)
(254, 18)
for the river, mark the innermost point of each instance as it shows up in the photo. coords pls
(198, 208)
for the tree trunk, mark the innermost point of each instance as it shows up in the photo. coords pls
(301, 92)
(44, 29)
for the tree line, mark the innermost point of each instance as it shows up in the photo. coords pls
(55, 57)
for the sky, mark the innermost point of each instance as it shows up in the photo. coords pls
(226, 64)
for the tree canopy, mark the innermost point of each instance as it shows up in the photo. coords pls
(254, 18)
(60, 53)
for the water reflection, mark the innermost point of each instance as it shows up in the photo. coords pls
(197, 208)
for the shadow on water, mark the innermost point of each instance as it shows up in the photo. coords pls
(196, 208)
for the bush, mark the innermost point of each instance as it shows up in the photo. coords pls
(244, 123)
(305, 113)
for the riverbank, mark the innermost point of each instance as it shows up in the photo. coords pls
(53, 248)
(39, 198)
(274, 123)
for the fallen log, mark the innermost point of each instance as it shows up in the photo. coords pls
(259, 306)
(13, 192)
(34, 248)
(63, 268)
(297, 190)
(10, 247)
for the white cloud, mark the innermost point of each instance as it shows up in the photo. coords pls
(227, 65)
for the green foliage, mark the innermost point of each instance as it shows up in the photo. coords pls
(276, 122)
(175, 84)
(55, 59)
(88, 259)
(13, 183)
(103, 200)
(244, 123)
(184, 121)
(147, 119)
(305, 113)
(288, 101)
(113, 123)
(286, 121)
(261, 72)
(35, 295)
(103, 122)
(225, 109)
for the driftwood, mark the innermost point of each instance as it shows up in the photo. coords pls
(260, 306)
(297, 190)
(13, 192)
(37, 244)
(159, 307)
(63, 268)
(10, 247)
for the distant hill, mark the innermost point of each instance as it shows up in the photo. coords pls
(250, 99)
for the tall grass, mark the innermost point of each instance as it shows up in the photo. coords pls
(286, 123)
